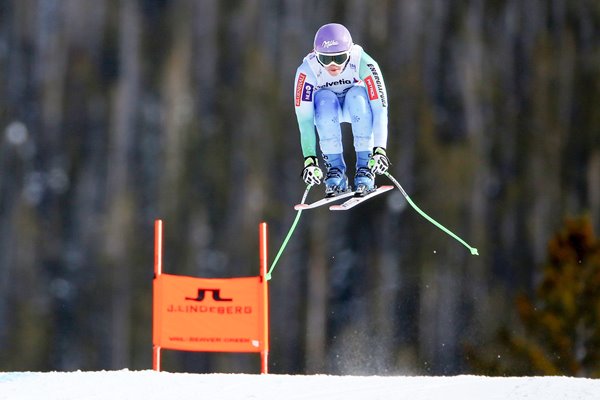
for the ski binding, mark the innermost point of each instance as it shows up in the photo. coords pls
(357, 199)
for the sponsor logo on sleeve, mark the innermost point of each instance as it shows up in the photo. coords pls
(371, 88)
(299, 87)
(307, 92)
(378, 84)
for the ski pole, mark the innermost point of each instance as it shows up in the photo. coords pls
(473, 250)
(289, 235)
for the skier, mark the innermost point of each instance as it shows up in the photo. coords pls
(339, 82)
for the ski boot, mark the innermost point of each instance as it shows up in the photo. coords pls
(364, 179)
(336, 181)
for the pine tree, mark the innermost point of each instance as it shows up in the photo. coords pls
(560, 326)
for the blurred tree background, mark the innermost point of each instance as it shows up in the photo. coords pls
(114, 113)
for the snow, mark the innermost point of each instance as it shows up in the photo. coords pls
(149, 385)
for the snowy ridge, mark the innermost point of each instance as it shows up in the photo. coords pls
(150, 385)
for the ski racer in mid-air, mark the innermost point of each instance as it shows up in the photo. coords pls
(339, 82)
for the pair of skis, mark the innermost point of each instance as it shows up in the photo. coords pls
(354, 200)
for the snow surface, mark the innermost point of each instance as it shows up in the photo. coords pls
(149, 385)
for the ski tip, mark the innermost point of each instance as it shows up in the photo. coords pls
(336, 207)
(300, 206)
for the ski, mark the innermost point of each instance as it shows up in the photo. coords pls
(324, 201)
(356, 200)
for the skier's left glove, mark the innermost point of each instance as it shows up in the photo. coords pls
(379, 163)
(312, 174)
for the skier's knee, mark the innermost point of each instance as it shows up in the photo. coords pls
(358, 105)
(326, 110)
(357, 97)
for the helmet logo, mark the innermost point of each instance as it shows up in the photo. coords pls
(328, 43)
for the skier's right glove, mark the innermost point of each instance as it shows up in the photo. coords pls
(312, 174)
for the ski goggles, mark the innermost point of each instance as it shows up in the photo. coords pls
(338, 59)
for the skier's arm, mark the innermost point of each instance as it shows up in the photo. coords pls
(304, 86)
(371, 75)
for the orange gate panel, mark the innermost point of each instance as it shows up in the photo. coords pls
(210, 314)
(197, 314)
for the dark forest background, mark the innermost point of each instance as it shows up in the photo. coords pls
(114, 113)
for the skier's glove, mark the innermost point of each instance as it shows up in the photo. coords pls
(312, 174)
(379, 162)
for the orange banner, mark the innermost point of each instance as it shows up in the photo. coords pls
(200, 314)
